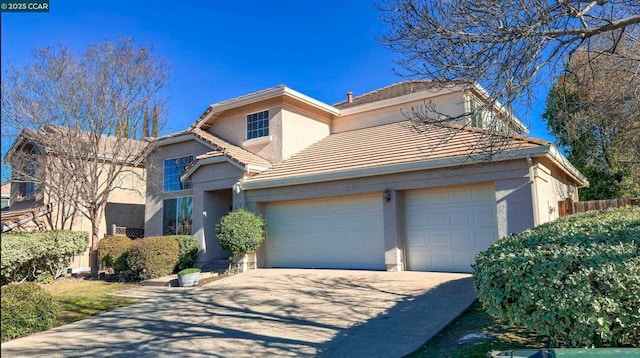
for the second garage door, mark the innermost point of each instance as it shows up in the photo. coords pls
(447, 227)
(337, 232)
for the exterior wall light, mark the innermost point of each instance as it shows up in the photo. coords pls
(386, 194)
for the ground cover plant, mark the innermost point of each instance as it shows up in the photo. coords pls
(575, 280)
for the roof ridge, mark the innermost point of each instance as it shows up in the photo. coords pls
(210, 107)
(382, 89)
(503, 134)
(248, 94)
(203, 134)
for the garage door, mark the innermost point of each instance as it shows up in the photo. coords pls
(337, 232)
(447, 227)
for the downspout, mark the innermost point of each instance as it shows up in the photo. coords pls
(534, 191)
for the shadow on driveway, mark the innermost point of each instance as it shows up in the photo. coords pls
(270, 313)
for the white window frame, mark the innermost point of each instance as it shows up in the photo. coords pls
(247, 130)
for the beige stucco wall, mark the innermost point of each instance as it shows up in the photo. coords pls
(551, 185)
(155, 194)
(212, 199)
(293, 126)
(231, 125)
(301, 128)
(451, 104)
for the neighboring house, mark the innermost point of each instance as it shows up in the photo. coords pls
(34, 207)
(6, 195)
(355, 185)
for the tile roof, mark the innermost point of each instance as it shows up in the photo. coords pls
(111, 147)
(234, 152)
(199, 122)
(394, 90)
(384, 145)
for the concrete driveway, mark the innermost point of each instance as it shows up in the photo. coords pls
(270, 312)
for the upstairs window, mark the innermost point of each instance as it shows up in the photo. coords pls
(173, 169)
(258, 125)
(476, 114)
(26, 185)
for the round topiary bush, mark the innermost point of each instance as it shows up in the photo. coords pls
(240, 232)
(26, 308)
(576, 280)
(111, 250)
(152, 257)
(188, 251)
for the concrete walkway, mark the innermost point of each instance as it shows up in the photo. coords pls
(269, 312)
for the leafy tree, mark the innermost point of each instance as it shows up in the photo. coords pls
(82, 112)
(594, 112)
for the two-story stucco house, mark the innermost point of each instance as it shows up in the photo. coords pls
(356, 184)
(36, 206)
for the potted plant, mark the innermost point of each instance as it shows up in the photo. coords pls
(189, 277)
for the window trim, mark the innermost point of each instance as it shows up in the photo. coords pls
(246, 124)
(164, 163)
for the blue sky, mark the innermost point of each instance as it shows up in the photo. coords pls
(223, 49)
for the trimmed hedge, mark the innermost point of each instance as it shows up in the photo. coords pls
(111, 252)
(26, 308)
(240, 232)
(188, 251)
(25, 256)
(152, 257)
(576, 280)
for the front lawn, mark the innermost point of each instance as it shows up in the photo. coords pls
(475, 333)
(78, 298)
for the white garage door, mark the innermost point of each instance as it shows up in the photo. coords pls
(338, 232)
(447, 227)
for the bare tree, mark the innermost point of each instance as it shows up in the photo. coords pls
(508, 46)
(84, 114)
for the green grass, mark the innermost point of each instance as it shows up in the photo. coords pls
(497, 336)
(79, 298)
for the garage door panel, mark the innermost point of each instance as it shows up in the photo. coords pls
(447, 227)
(340, 232)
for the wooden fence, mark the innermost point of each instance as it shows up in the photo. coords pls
(568, 207)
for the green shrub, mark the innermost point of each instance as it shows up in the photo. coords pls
(576, 280)
(26, 308)
(188, 251)
(189, 271)
(240, 232)
(25, 256)
(111, 252)
(152, 257)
